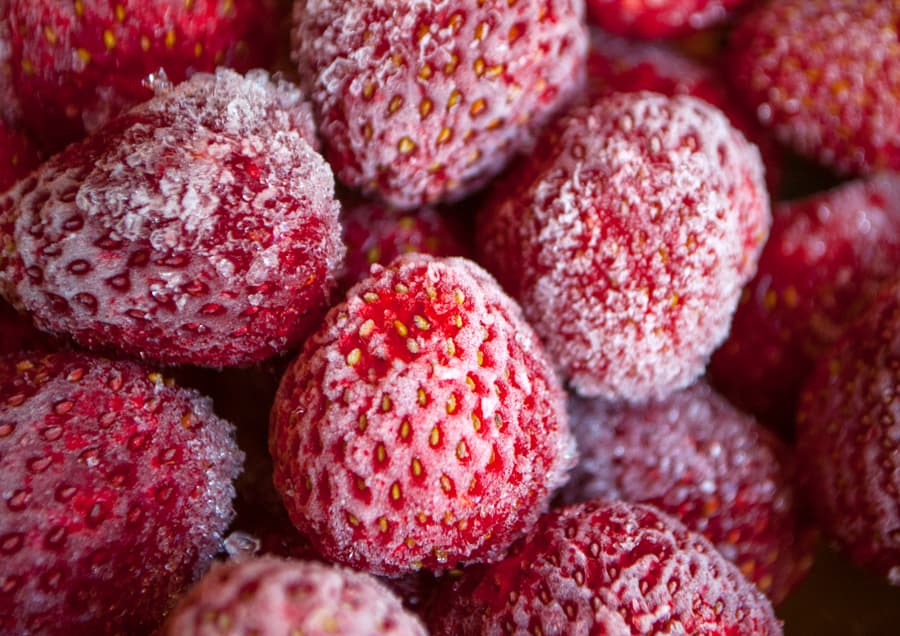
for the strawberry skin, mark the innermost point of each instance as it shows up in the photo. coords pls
(117, 487)
(420, 102)
(606, 568)
(651, 19)
(77, 64)
(421, 426)
(201, 227)
(847, 423)
(272, 597)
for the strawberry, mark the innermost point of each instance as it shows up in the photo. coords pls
(200, 227)
(117, 487)
(716, 470)
(606, 568)
(272, 597)
(628, 238)
(374, 234)
(10, 110)
(825, 77)
(827, 256)
(421, 426)
(77, 64)
(847, 434)
(650, 19)
(18, 156)
(618, 65)
(425, 101)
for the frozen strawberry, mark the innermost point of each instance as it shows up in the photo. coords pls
(827, 256)
(76, 64)
(421, 426)
(606, 568)
(272, 597)
(627, 242)
(117, 487)
(716, 470)
(18, 156)
(200, 227)
(847, 436)
(651, 19)
(619, 65)
(825, 76)
(374, 234)
(426, 101)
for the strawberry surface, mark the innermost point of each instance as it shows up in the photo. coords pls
(827, 256)
(421, 426)
(825, 76)
(77, 64)
(606, 568)
(697, 458)
(627, 238)
(425, 101)
(117, 487)
(651, 19)
(273, 597)
(847, 433)
(200, 227)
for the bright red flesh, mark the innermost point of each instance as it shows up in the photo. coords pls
(200, 227)
(421, 426)
(651, 19)
(716, 470)
(847, 437)
(117, 488)
(606, 568)
(825, 76)
(426, 101)
(826, 258)
(77, 64)
(628, 239)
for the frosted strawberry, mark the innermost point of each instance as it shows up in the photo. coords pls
(200, 227)
(847, 425)
(374, 233)
(117, 487)
(658, 18)
(628, 239)
(77, 64)
(827, 256)
(825, 76)
(711, 467)
(271, 597)
(606, 568)
(18, 156)
(425, 101)
(421, 426)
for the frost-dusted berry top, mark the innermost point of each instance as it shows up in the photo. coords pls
(200, 227)
(422, 425)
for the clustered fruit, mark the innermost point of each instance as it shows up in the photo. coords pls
(397, 317)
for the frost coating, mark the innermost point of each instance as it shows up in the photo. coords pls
(200, 227)
(421, 426)
(628, 242)
(426, 100)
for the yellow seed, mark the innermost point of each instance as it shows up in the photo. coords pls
(462, 451)
(416, 467)
(496, 70)
(455, 21)
(451, 404)
(513, 34)
(478, 67)
(422, 397)
(380, 452)
(406, 145)
(470, 382)
(84, 55)
(395, 491)
(476, 423)
(145, 43)
(383, 524)
(446, 484)
(450, 66)
(481, 30)
(109, 39)
(480, 357)
(366, 329)
(425, 72)
(477, 107)
(354, 521)
(421, 323)
(354, 357)
(198, 49)
(120, 13)
(435, 438)
(401, 328)
(455, 96)
(423, 31)
(451, 347)
(458, 321)
(170, 39)
(405, 430)
(79, 8)
(444, 135)
(395, 104)
(460, 296)
(400, 288)
(412, 346)
(410, 542)
(368, 90)
(50, 34)
(385, 402)
(370, 297)
(425, 108)
(363, 423)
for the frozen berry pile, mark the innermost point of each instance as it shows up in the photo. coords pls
(469, 317)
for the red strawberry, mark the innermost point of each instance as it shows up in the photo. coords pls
(271, 597)
(200, 227)
(825, 76)
(847, 436)
(76, 64)
(628, 239)
(618, 65)
(374, 234)
(606, 568)
(422, 101)
(421, 426)
(658, 18)
(18, 156)
(117, 487)
(826, 258)
(716, 470)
